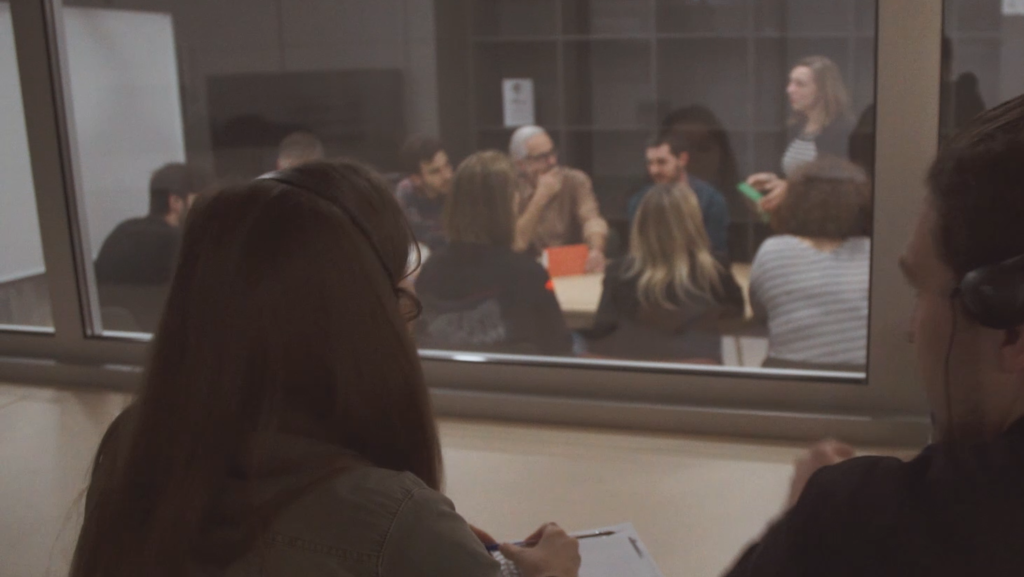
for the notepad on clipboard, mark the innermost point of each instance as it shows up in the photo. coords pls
(621, 554)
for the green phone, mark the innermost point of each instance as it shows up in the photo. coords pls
(754, 195)
(749, 192)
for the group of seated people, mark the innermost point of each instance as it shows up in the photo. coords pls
(666, 298)
(668, 294)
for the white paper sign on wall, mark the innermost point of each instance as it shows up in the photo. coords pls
(1013, 7)
(517, 101)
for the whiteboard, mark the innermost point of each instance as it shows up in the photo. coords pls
(125, 107)
(125, 104)
(21, 250)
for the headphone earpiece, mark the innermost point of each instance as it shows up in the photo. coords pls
(994, 295)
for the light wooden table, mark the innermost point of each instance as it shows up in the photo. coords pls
(579, 296)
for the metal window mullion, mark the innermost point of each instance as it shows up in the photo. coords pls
(906, 137)
(45, 122)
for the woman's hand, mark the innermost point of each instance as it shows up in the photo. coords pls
(556, 554)
(595, 261)
(484, 536)
(773, 187)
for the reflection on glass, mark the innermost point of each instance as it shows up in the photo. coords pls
(24, 294)
(982, 58)
(608, 219)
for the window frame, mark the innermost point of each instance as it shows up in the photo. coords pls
(889, 408)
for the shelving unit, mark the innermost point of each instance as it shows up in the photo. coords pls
(606, 71)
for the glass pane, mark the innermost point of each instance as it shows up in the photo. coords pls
(24, 295)
(694, 95)
(982, 58)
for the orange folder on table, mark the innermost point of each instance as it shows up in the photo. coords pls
(566, 260)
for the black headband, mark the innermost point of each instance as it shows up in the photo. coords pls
(301, 182)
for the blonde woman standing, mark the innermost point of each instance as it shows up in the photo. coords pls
(663, 301)
(820, 123)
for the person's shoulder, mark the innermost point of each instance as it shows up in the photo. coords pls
(405, 189)
(777, 250)
(575, 177)
(352, 510)
(141, 223)
(434, 268)
(863, 487)
(147, 230)
(369, 484)
(778, 243)
(703, 187)
(522, 264)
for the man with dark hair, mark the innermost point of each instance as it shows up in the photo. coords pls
(958, 507)
(299, 148)
(423, 192)
(140, 253)
(668, 154)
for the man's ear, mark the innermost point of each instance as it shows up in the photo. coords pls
(1011, 352)
(416, 179)
(684, 159)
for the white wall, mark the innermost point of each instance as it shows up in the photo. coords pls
(21, 251)
(125, 110)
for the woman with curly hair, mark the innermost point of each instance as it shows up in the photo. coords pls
(810, 282)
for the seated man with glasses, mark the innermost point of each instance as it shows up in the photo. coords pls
(555, 205)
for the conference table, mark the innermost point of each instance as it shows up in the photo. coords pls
(580, 295)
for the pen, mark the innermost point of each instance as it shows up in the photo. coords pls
(590, 535)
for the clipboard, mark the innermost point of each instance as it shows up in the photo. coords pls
(621, 554)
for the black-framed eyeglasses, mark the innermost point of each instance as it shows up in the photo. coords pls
(544, 156)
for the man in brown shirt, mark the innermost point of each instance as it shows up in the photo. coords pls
(555, 205)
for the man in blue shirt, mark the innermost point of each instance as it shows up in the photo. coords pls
(667, 157)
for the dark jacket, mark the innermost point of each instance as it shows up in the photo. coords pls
(140, 251)
(833, 140)
(134, 270)
(488, 298)
(690, 332)
(949, 512)
(363, 521)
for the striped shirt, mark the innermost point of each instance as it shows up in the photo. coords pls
(801, 150)
(816, 302)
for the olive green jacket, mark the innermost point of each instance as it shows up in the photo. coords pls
(365, 522)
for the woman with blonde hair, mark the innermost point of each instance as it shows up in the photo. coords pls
(820, 123)
(478, 293)
(664, 300)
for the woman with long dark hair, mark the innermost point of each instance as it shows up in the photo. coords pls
(284, 427)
